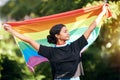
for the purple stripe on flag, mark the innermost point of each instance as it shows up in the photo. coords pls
(35, 60)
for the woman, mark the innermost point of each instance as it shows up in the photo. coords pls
(64, 58)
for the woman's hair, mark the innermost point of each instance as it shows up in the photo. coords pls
(53, 31)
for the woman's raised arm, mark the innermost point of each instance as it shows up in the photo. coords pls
(33, 43)
(96, 22)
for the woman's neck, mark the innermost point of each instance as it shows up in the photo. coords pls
(61, 42)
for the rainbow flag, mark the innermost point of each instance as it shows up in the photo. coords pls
(77, 22)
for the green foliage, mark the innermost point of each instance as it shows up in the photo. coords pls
(103, 62)
(17, 9)
(100, 61)
(12, 72)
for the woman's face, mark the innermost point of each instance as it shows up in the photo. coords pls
(64, 34)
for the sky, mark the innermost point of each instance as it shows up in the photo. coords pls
(2, 2)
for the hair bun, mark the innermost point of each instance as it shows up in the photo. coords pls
(54, 30)
(51, 39)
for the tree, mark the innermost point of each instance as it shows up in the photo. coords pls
(100, 61)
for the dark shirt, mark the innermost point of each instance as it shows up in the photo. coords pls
(64, 60)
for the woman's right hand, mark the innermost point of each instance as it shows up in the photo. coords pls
(33, 43)
(7, 27)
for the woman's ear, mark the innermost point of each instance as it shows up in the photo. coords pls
(57, 35)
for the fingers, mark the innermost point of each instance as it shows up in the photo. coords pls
(105, 8)
(106, 4)
(7, 27)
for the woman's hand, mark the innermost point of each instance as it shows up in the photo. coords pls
(7, 27)
(33, 43)
(104, 9)
(96, 22)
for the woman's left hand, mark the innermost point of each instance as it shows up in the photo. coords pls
(105, 8)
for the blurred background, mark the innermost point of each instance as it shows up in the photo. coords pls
(101, 61)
